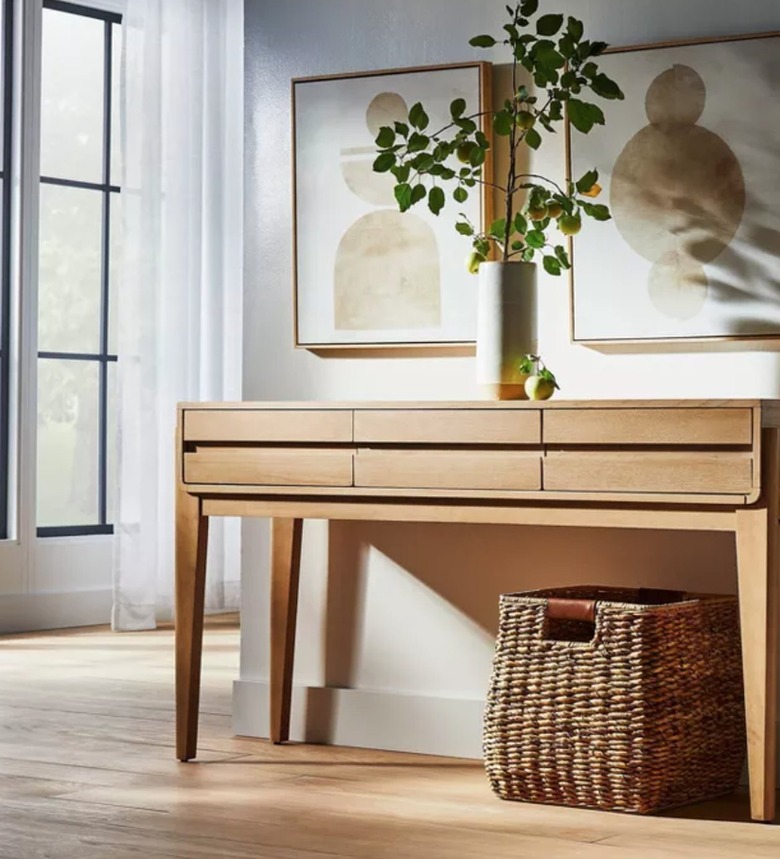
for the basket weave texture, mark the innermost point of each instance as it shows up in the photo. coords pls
(646, 715)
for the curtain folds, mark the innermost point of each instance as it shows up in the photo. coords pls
(179, 299)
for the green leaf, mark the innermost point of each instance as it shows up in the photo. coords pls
(529, 7)
(436, 199)
(528, 365)
(482, 246)
(401, 128)
(384, 162)
(460, 195)
(606, 87)
(481, 140)
(566, 47)
(418, 193)
(548, 25)
(552, 265)
(579, 115)
(512, 32)
(477, 157)
(597, 48)
(574, 28)
(528, 254)
(520, 223)
(457, 107)
(518, 245)
(466, 125)
(401, 172)
(588, 181)
(563, 256)
(548, 56)
(597, 211)
(403, 195)
(533, 138)
(535, 239)
(503, 122)
(423, 162)
(498, 228)
(482, 42)
(418, 142)
(418, 117)
(464, 229)
(386, 137)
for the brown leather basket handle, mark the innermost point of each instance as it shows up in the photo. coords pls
(571, 609)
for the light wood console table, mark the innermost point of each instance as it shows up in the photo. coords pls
(680, 465)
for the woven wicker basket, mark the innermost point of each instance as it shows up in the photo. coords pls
(622, 700)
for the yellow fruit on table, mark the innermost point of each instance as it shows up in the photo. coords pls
(538, 213)
(463, 152)
(474, 260)
(570, 225)
(539, 388)
(526, 120)
(554, 210)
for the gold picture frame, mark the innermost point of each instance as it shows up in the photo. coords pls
(338, 111)
(683, 293)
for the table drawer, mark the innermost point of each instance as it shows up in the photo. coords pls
(699, 427)
(448, 426)
(683, 472)
(277, 467)
(448, 469)
(271, 425)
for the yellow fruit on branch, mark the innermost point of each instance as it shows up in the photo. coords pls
(570, 225)
(554, 210)
(538, 213)
(463, 152)
(525, 120)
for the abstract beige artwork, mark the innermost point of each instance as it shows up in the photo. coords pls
(365, 273)
(694, 191)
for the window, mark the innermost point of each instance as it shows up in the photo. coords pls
(79, 216)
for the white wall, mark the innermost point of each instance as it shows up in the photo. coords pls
(411, 608)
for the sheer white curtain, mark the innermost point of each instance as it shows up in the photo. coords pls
(179, 297)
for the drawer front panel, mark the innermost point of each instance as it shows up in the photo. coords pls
(293, 426)
(448, 426)
(715, 473)
(684, 426)
(417, 469)
(248, 467)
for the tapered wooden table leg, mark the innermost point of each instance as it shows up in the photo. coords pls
(285, 571)
(191, 545)
(757, 571)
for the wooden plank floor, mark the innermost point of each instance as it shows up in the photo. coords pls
(87, 771)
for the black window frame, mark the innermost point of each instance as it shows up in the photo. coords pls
(103, 357)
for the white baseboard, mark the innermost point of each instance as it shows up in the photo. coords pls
(372, 720)
(37, 611)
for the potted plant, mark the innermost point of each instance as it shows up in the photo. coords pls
(561, 64)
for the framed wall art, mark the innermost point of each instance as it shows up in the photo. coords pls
(690, 166)
(365, 274)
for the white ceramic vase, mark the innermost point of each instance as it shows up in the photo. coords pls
(506, 326)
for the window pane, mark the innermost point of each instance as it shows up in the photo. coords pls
(67, 442)
(72, 97)
(69, 281)
(116, 95)
(114, 269)
(111, 444)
